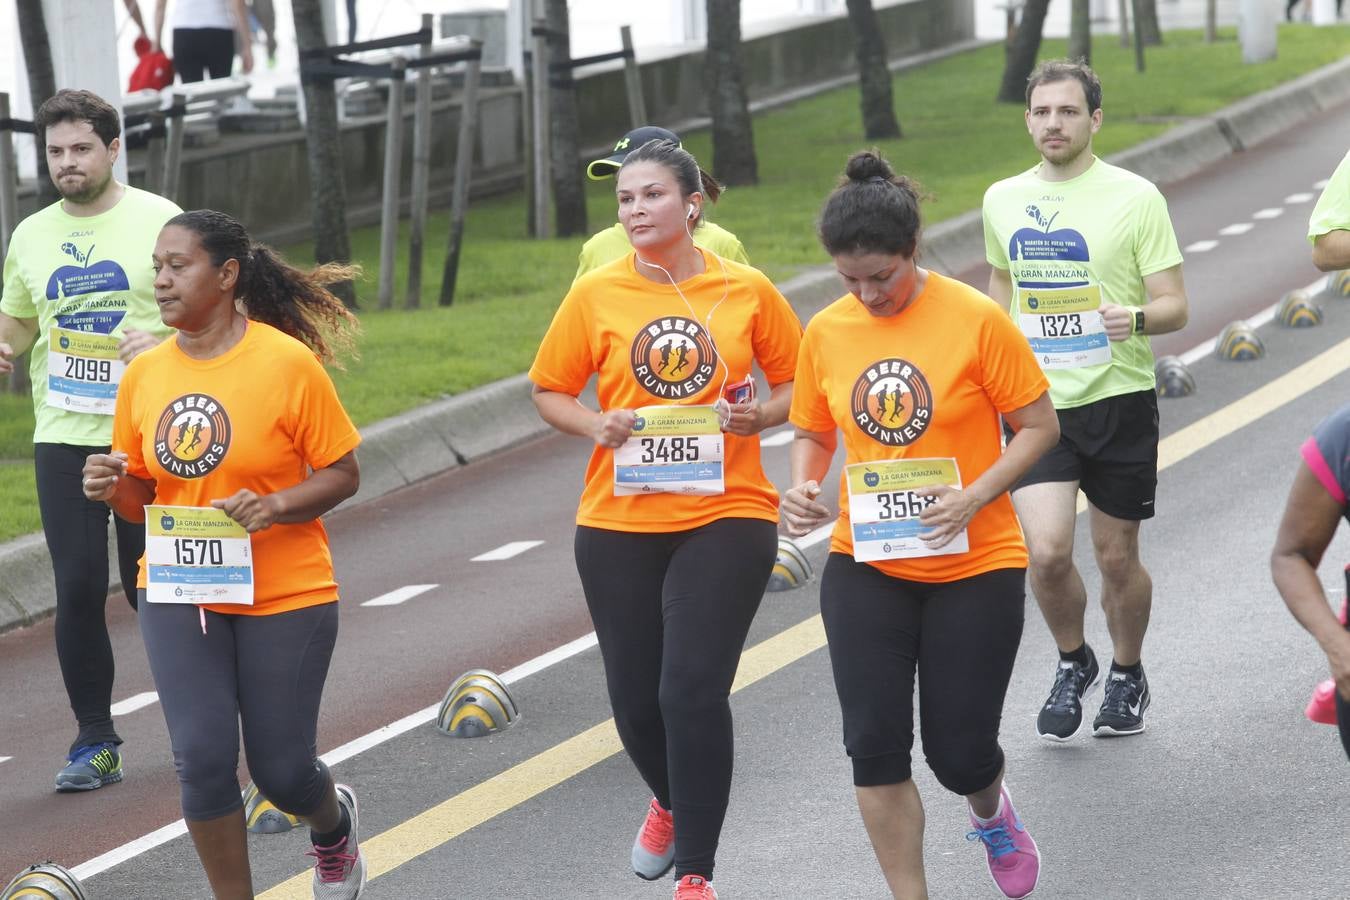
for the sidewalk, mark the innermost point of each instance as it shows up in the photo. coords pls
(460, 430)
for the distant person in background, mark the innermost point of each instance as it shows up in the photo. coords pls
(612, 243)
(134, 10)
(204, 34)
(1329, 226)
(264, 16)
(1289, 9)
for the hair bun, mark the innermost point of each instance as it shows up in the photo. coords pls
(868, 164)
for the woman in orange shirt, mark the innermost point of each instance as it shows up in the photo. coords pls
(676, 533)
(237, 598)
(927, 565)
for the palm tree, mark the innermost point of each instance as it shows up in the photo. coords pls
(1021, 58)
(874, 75)
(569, 196)
(1080, 31)
(323, 142)
(37, 55)
(733, 136)
(1146, 11)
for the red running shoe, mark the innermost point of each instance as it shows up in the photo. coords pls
(694, 887)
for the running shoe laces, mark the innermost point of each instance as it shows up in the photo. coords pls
(658, 830)
(1066, 691)
(694, 887)
(1118, 696)
(995, 837)
(334, 863)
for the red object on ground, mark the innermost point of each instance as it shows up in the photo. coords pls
(153, 72)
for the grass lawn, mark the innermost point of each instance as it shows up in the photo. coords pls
(957, 141)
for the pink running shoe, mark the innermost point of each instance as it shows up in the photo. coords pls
(1014, 861)
(654, 846)
(1322, 707)
(694, 887)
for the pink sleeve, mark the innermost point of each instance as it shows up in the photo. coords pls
(1312, 455)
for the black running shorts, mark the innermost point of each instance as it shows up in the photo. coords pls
(1111, 449)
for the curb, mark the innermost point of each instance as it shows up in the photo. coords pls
(459, 430)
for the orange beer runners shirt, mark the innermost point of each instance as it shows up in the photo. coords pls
(257, 417)
(929, 382)
(650, 349)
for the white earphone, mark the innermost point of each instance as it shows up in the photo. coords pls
(689, 211)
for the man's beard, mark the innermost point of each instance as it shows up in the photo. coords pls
(88, 193)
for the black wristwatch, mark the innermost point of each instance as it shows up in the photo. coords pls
(1138, 321)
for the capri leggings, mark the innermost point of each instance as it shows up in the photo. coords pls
(960, 636)
(76, 529)
(267, 671)
(671, 614)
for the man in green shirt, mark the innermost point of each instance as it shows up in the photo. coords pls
(79, 289)
(1085, 259)
(612, 243)
(1329, 227)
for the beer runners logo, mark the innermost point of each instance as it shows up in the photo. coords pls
(892, 403)
(673, 358)
(192, 437)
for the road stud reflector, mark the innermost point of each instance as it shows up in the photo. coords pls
(791, 569)
(1174, 378)
(44, 881)
(1239, 341)
(261, 817)
(1298, 310)
(1338, 283)
(476, 704)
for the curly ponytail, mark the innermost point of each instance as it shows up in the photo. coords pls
(276, 293)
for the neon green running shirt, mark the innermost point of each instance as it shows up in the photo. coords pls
(1332, 212)
(86, 280)
(1089, 239)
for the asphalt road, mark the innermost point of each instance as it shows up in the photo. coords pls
(1230, 792)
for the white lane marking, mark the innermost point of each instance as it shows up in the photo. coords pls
(1236, 228)
(778, 438)
(506, 551)
(5, 758)
(1201, 246)
(1321, 185)
(133, 703)
(1298, 198)
(1205, 348)
(402, 595)
(1270, 212)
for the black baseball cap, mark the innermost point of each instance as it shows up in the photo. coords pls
(604, 168)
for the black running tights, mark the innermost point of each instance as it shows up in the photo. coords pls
(77, 539)
(671, 613)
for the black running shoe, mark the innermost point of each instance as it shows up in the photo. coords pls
(1124, 700)
(1062, 715)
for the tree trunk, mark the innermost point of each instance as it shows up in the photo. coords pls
(733, 136)
(37, 55)
(323, 145)
(1022, 57)
(569, 196)
(874, 75)
(1148, 22)
(1080, 31)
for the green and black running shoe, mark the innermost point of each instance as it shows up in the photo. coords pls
(90, 768)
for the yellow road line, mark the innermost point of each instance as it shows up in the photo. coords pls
(482, 802)
(486, 800)
(1242, 412)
